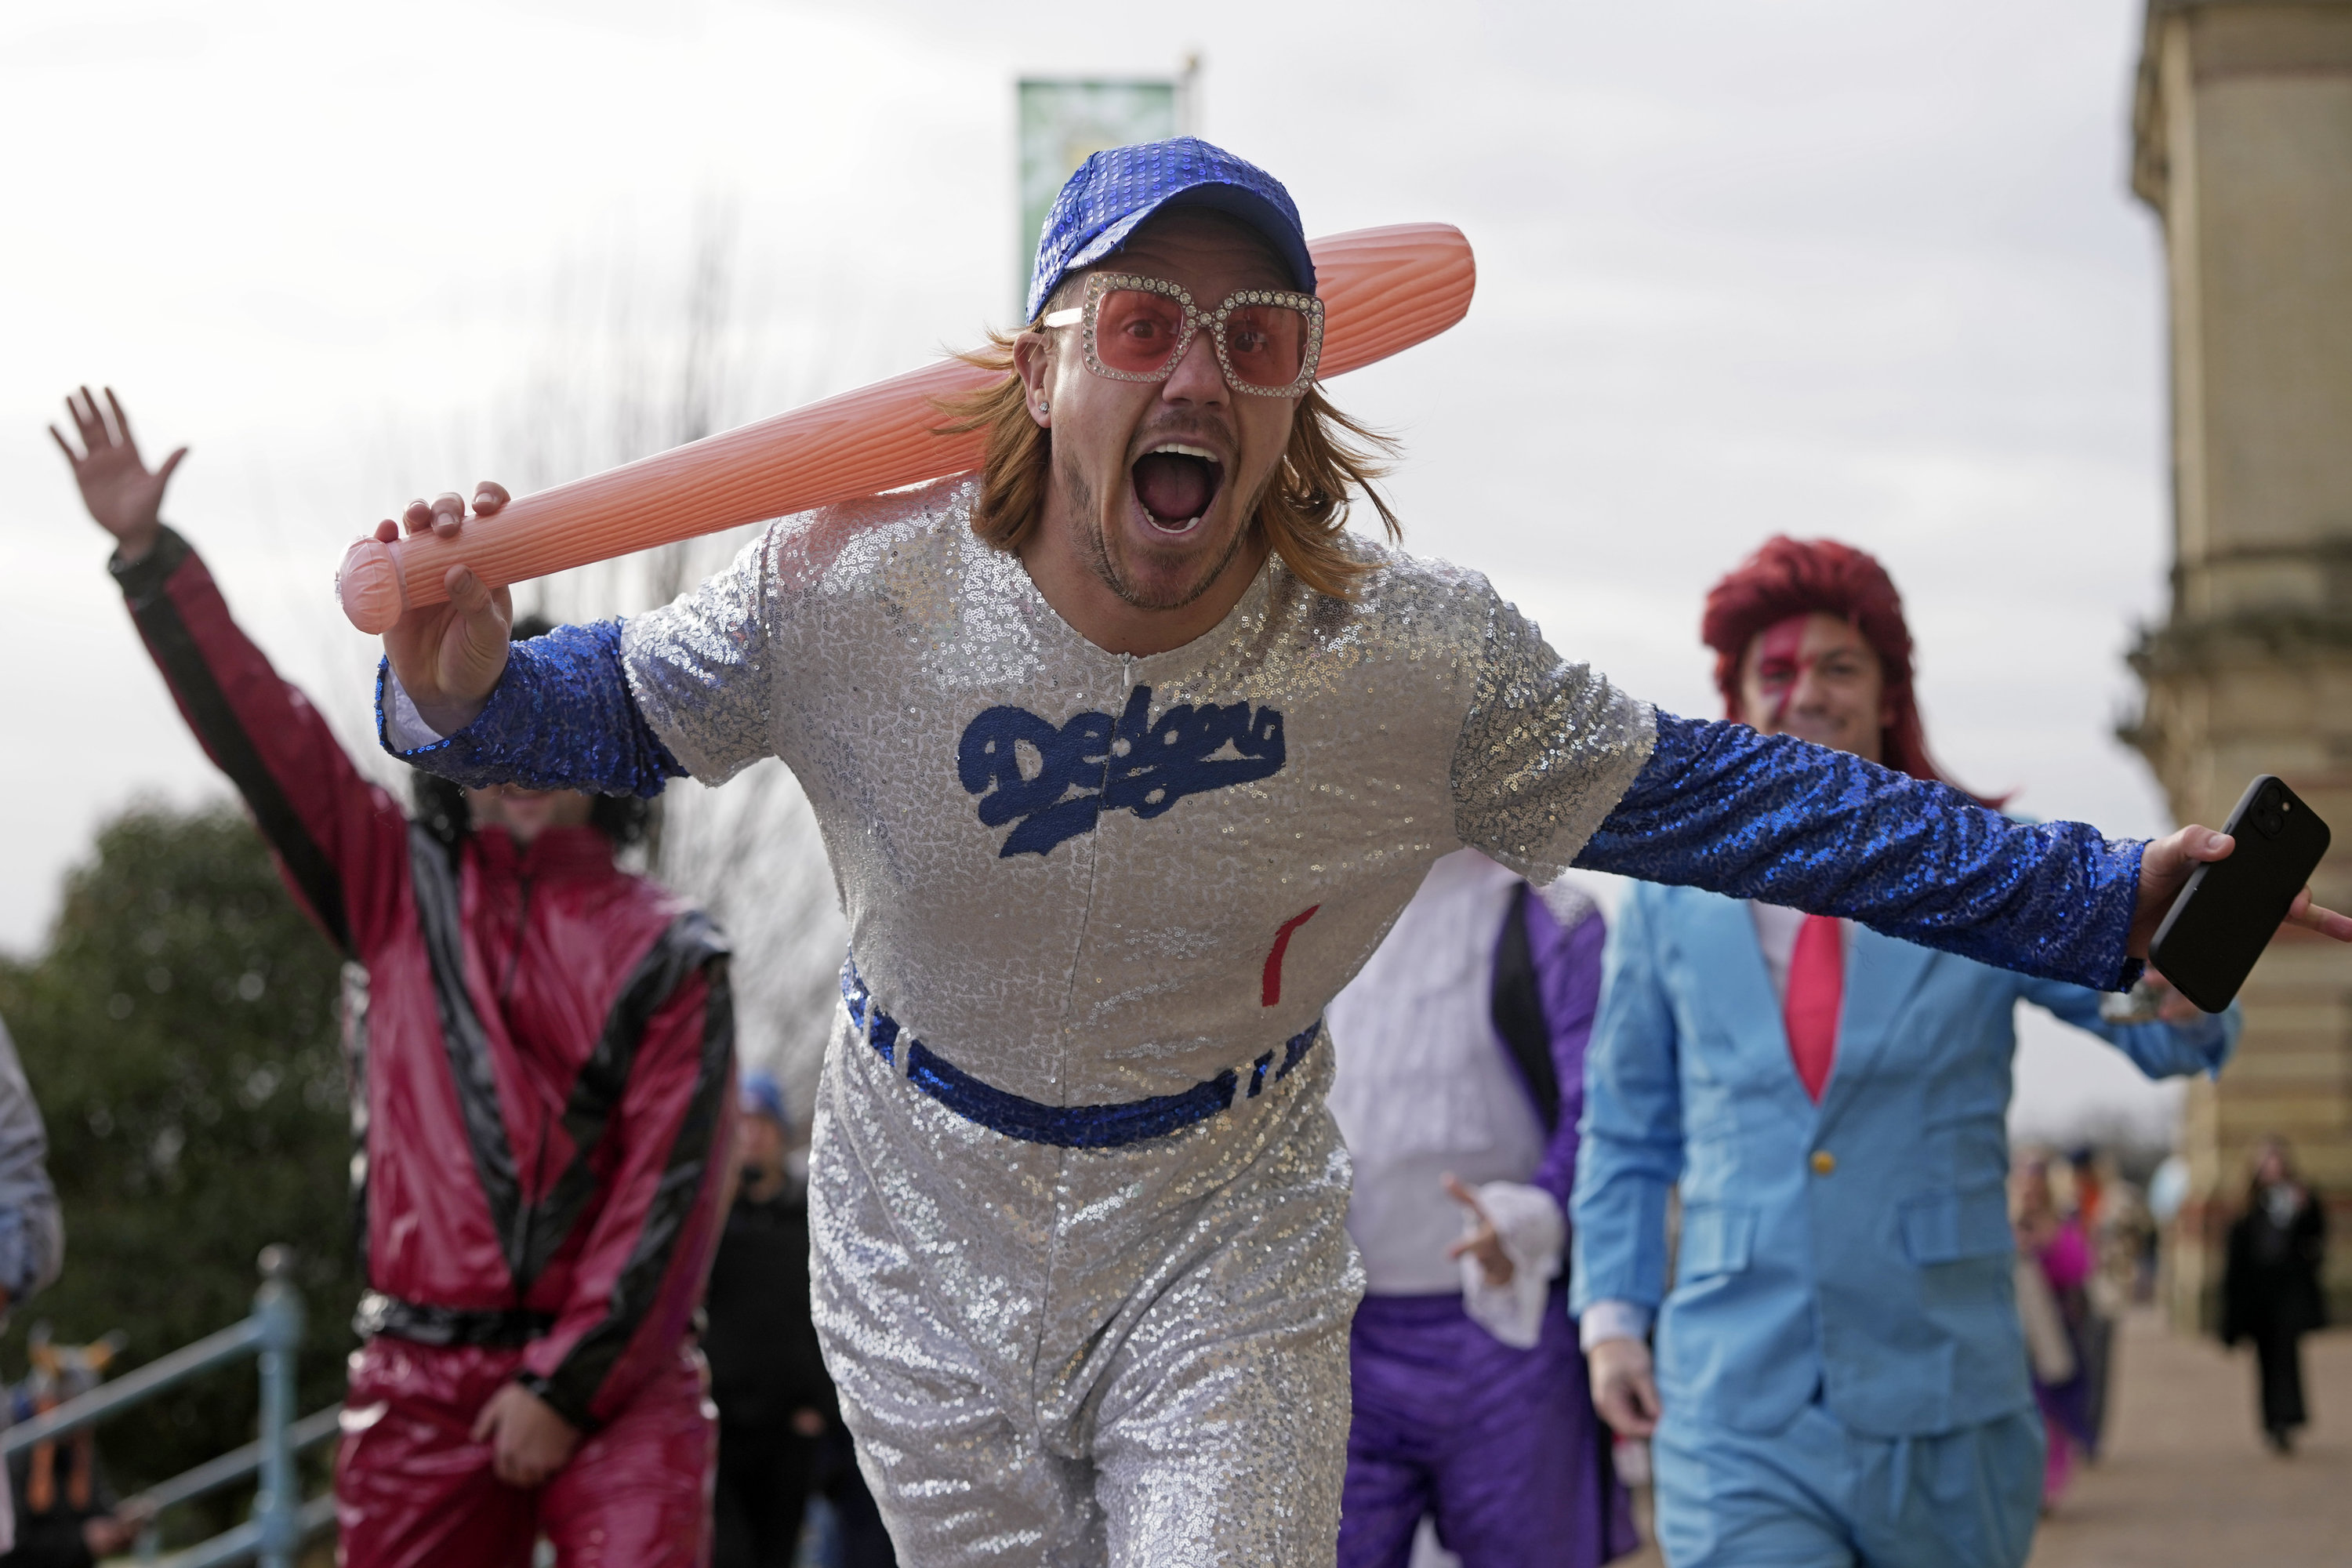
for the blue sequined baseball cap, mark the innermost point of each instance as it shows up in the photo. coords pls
(1118, 188)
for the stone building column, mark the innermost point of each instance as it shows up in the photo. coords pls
(2243, 132)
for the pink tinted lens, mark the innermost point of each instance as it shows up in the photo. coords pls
(1136, 331)
(1266, 344)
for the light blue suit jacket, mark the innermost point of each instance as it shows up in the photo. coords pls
(1859, 1251)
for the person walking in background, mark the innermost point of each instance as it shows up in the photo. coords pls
(542, 1051)
(2089, 1186)
(1841, 1376)
(780, 1434)
(2271, 1290)
(2126, 1246)
(1459, 1080)
(2054, 1310)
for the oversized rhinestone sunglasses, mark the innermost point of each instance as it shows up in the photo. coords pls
(1137, 328)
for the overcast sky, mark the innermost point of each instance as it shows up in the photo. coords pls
(1827, 266)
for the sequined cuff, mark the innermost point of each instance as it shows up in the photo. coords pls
(562, 717)
(1775, 818)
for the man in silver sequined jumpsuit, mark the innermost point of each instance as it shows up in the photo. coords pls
(1125, 756)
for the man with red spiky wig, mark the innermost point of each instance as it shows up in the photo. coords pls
(1840, 1376)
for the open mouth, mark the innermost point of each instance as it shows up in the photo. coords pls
(1176, 485)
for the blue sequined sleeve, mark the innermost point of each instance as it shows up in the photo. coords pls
(562, 717)
(1776, 819)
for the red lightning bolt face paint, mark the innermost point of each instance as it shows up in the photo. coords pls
(1780, 660)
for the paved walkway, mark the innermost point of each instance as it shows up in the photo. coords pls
(2186, 1479)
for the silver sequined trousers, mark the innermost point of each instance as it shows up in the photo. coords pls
(1086, 879)
(1074, 1357)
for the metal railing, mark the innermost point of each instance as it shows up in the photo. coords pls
(281, 1520)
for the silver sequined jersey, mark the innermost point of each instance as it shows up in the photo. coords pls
(1087, 877)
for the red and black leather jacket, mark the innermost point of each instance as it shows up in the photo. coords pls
(542, 1051)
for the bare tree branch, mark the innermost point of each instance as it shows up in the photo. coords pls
(633, 355)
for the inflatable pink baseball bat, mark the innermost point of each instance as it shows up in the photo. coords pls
(1383, 290)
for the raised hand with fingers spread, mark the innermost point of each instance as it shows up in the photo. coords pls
(124, 497)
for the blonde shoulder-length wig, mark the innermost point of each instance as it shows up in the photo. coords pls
(1303, 514)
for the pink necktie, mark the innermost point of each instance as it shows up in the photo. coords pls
(1816, 989)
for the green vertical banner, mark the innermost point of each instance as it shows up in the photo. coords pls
(1063, 123)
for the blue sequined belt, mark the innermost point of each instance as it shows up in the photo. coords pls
(1065, 1126)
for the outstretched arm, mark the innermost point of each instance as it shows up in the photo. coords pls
(561, 716)
(1718, 805)
(559, 711)
(341, 841)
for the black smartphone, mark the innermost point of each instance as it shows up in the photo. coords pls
(2224, 919)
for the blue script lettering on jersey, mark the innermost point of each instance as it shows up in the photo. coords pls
(1094, 763)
